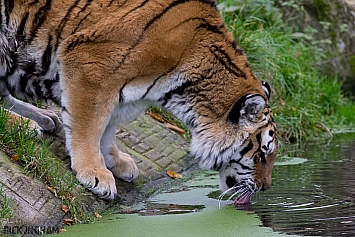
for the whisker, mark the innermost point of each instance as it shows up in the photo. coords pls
(222, 195)
(240, 192)
(244, 188)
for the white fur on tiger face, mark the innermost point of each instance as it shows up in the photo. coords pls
(106, 61)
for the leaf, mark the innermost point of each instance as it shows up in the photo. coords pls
(282, 102)
(174, 128)
(15, 157)
(65, 208)
(221, 6)
(298, 54)
(156, 116)
(173, 174)
(286, 160)
(68, 222)
(231, 9)
(51, 189)
(301, 35)
(97, 214)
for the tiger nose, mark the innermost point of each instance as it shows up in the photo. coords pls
(265, 187)
(266, 184)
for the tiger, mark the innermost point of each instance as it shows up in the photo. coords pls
(104, 62)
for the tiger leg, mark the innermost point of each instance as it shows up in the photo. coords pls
(88, 102)
(121, 164)
(46, 119)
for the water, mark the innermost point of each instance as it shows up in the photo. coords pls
(313, 194)
(316, 197)
(183, 211)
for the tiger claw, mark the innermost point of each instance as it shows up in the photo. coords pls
(100, 182)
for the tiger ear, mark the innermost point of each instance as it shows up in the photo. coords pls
(246, 109)
(267, 89)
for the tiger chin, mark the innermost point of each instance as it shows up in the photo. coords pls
(105, 61)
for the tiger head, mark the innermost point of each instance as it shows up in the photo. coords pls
(244, 150)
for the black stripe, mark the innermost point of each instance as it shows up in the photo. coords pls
(23, 82)
(34, 2)
(204, 24)
(63, 22)
(80, 22)
(48, 84)
(87, 4)
(209, 27)
(38, 88)
(221, 55)
(46, 57)
(136, 8)
(155, 81)
(247, 148)
(217, 165)
(9, 6)
(39, 18)
(21, 28)
(157, 17)
(245, 173)
(258, 139)
(262, 157)
(241, 165)
(210, 2)
(67, 126)
(178, 91)
(121, 99)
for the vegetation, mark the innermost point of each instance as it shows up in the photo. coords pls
(305, 103)
(33, 153)
(5, 206)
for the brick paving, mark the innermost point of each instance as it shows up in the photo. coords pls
(29, 197)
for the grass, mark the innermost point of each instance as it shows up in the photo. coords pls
(5, 206)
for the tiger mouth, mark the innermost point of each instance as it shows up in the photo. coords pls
(241, 193)
(243, 199)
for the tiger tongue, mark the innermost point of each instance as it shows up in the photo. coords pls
(243, 200)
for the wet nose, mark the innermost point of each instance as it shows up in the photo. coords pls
(265, 187)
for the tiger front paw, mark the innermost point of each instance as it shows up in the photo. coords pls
(99, 181)
(125, 168)
(49, 121)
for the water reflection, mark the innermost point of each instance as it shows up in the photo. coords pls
(315, 197)
(154, 208)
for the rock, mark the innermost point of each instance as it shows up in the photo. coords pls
(334, 24)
